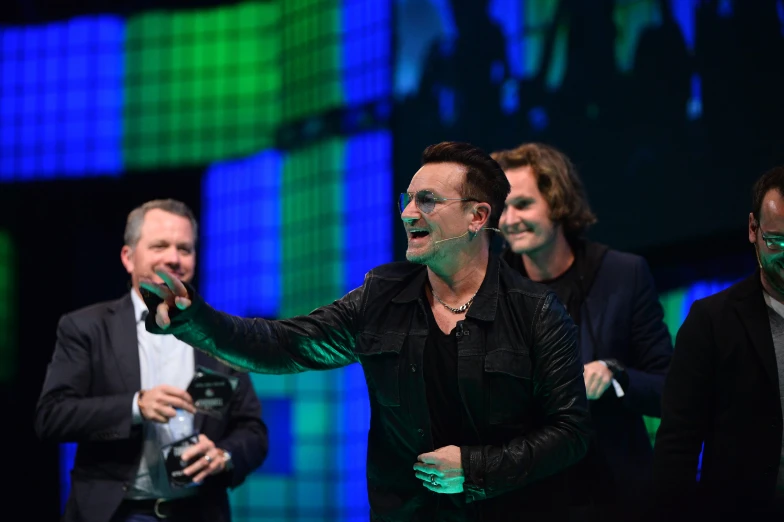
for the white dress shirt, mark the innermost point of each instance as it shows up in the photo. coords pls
(163, 359)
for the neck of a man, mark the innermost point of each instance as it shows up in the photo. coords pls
(458, 279)
(550, 261)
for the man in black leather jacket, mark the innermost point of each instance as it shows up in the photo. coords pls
(475, 381)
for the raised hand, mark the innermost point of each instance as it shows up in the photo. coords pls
(173, 293)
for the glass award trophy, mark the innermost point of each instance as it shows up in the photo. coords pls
(180, 428)
(211, 393)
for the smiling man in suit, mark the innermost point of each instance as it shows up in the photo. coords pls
(112, 387)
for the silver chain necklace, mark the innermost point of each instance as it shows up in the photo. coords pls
(459, 309)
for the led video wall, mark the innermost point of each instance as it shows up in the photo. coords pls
(102, 95)
(335, 53)
(200, 85)
(61, 100)
(284, 233)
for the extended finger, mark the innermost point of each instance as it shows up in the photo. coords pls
(182, 302)
(172, 282)
(153, 287)
(162, 317)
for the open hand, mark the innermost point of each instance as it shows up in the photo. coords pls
(173, 293)
(441, 470)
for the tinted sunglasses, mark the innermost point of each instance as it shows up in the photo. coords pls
(425, 200)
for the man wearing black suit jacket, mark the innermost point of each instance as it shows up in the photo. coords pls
(725, 389)
(112, 387)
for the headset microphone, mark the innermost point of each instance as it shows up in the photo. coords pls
(451, 238)
(462, 235)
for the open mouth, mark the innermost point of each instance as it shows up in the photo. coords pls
(418, 234)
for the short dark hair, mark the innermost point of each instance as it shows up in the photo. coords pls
(772, 179)
(485, 180)
(133, 226)
(557, 180)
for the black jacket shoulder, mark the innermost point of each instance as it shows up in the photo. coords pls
(97, 310)
(715, 303)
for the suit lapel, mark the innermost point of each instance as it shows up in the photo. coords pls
(753, 311)
(122, 336)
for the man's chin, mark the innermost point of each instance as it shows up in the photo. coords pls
(416, 256)
(523, 247)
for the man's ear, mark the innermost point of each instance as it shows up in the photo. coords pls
(480, 218)
(752, 228)
(126, 257)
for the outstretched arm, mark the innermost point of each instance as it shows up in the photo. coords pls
(322, 340)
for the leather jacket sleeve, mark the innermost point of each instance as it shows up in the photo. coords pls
(321, 340)
(559, 388)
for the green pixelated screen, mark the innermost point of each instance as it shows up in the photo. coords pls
(312, 51)
(312, 264)
(201, 85)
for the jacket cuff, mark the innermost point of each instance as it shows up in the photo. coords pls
(136, 414)
(619, 372)
(473, 461)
